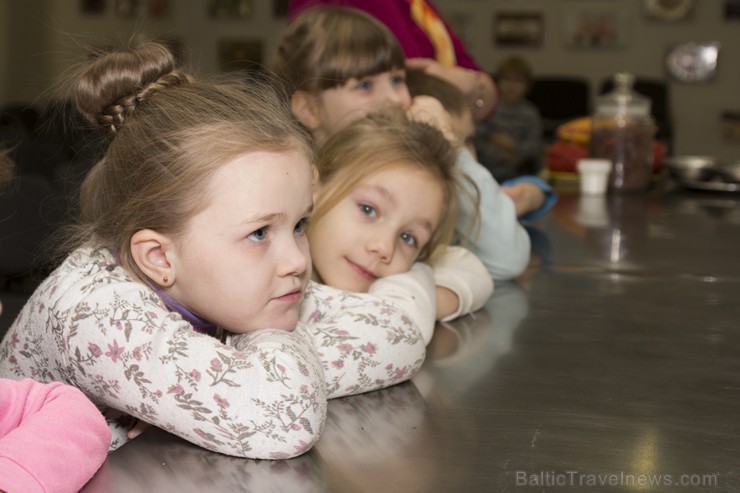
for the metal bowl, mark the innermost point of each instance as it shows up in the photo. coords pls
(691, 168)
(729, 171)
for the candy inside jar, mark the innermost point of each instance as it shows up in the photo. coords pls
(623, 132)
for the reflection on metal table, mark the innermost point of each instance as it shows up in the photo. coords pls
(613, 364)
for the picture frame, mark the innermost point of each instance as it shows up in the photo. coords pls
(231, 9)
(596, 28)
(522, 29)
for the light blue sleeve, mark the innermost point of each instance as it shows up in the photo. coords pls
(551, 195)
(501, 242)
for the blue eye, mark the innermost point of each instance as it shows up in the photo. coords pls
(364, 85)
(408, 239)
(258, 235)
(300, 227)
(398, 80)
(368, 210)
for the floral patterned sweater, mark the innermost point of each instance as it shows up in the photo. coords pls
(257, 395)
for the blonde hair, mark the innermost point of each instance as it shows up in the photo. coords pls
(169, 135)
(324, 47)
(378, 142)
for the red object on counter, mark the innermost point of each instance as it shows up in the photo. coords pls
(562, 156)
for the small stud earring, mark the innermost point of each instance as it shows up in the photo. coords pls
(165, 280)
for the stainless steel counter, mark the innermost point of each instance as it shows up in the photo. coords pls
(612, 365)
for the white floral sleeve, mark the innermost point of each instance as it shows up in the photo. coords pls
(368, 341)
(92, 326)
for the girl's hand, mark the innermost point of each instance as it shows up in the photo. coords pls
(477, 86)
(527, 197)
(463, 78)
(429, 110)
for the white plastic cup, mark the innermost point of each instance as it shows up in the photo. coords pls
(594, 175)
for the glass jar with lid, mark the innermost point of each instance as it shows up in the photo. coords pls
(622, 131)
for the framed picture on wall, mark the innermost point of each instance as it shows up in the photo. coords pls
(240, 54)
(587, 28)
(234, 9)
(518, 29)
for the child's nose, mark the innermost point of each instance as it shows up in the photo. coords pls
(295, 259)
(382, 246)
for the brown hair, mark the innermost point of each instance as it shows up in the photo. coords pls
(422, 83)
(381, 141)
(324, 47)
(170, 134)
(514, 66)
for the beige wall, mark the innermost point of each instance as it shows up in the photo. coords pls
(697, 107)
(41, 39)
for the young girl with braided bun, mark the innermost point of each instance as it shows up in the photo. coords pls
(185, 300)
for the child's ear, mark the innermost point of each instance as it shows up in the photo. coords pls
(153, 253)
(305, 107)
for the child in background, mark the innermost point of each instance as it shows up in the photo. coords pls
(39, 423)
(528, 192)
(340, 65)
(509, 143)
(189, 269)
(387, 197)
(337, 80)
(429, 44)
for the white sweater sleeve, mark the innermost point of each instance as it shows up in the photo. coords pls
(414, 292)
(368, 341)
(460, 271)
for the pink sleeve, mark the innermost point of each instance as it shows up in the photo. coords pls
(396, 15)
(52, 438)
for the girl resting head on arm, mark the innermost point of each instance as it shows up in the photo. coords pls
(192, 224)
(387, 196)
(340, 65)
